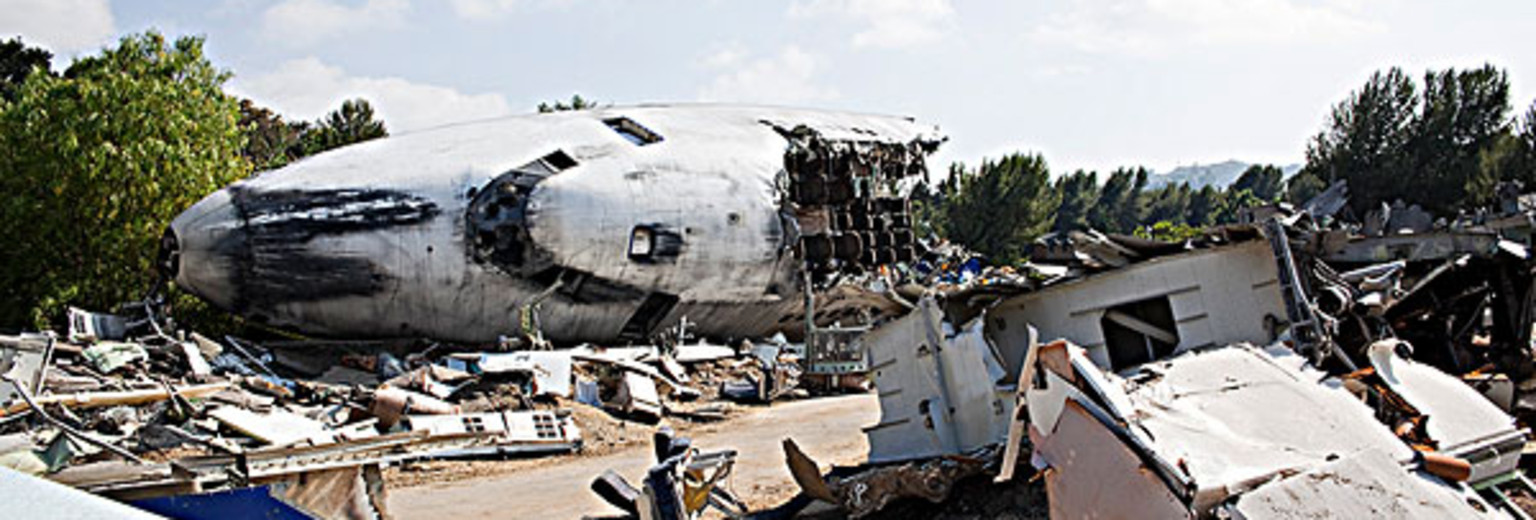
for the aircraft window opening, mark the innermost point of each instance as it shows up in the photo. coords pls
(634, 132)
(558, 161)
(1139, 332)
(642, 242)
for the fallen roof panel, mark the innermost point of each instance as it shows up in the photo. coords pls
(1239, 414)
(1367, 485)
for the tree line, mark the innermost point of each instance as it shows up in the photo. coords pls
(96, 160)
(1446, 143)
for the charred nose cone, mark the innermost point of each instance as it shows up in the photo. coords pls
(193, 252)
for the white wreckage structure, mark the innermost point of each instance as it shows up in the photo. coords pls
(1288, 366)
(1279, 369)
(596, 225)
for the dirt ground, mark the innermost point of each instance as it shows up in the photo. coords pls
(601, 433)
(828, 429)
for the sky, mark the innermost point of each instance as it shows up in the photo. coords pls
(1089, 84)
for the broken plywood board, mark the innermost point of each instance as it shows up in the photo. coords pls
(641, 368)
(638, 395)
(702, 352)
(277, 429)
(1094, 475)
(126, 397)
(551, 370)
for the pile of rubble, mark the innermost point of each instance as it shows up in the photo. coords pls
(1294, 365)
(122, 407)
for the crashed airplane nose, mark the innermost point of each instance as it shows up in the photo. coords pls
(244, 247)
(188, 251)
(611, 222)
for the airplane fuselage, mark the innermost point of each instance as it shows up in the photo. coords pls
(615, 221)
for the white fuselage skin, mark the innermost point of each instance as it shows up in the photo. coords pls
(711, 179)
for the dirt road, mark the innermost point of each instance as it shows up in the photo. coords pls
(828, 429)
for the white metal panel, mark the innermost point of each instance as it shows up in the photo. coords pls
(1219, 296)
(937, 395)
(1235, 414)
(1464, 422)
(1366, 485)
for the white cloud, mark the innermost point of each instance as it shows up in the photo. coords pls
(497, 10)
(887, 23)
(306, 89)
(1059, 71)
(61, 26)
(1159, 27)
(788, 77)
(306, 22)
(481, 10)
(725, 56)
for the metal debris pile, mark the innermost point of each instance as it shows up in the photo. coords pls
(1294, 365)
(123, 406)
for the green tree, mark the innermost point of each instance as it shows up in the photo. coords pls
(269, 141)
(1167, 204)
(1463, 113)
(1511, 157)
(1079, 193)
(1203, 204)
(1121, 191)
(352, 123)
(97, 163)
(1233, 204)
(1365, 140)
(1303, 186)
(927, 209)
(1169, 231)
(1133, 208)
(1264, 181)
(17, 61)
(1002, 206)
(1438, 149)
(1505, 159)
(577, 103)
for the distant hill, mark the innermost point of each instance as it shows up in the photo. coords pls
(1199, 176)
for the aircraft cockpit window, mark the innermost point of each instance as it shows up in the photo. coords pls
(558, 161)
(634, 132)
(550, 164)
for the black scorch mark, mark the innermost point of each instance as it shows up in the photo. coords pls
(297, 215)
(273, 260)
